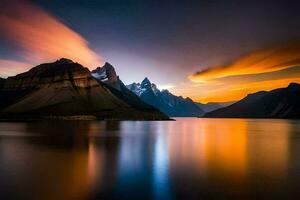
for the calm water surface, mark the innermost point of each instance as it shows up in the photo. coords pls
(184, 159)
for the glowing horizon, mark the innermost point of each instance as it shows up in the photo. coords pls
(265, 69)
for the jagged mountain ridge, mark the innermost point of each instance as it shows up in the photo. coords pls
(174, 106)
(278, 103)
(139, 88)
(107, 76)
(65, 88)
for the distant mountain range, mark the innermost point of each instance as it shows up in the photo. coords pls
(64, 89)
(166, 102)
(172, 105)
(211, 106)
(149, 94)
(278, 103)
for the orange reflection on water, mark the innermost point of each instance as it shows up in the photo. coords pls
(185, 144)
(50, 174)
(229, 149)
(225, 146)
(210, 145)
(95, 162)
(268, 142)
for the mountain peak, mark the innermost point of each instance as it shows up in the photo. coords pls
(165, 91)
(294, 85)
(146, 83)
(164, 100)
(64, 61)
(107, 64)
(189, 99)
(61, 66)
(277, 103)
(106, 73)
(146, 80)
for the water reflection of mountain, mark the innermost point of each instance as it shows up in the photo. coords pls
(192, 158)
(60, 159)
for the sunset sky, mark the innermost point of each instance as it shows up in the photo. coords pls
(207, 50)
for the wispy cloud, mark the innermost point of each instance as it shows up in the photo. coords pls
(265, 69)
(41, 36)
(265, 60)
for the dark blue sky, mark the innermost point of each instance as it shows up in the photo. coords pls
(169, 40)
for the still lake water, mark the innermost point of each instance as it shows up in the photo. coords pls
(185, 159)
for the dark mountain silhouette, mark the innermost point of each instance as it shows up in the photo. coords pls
(278, 103)
(211, 106)
(65, 88)
(174, 106)
(2, 80)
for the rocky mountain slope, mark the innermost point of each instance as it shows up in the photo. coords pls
(278, 103)
(65, 88)
(174, 106)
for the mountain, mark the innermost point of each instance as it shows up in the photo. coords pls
(2, 80)
(108, 77)
(174, 106)
(278, 103)
(63, 89)
(211, 106)
(107, 74)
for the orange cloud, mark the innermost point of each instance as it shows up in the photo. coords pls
(266, 60)
(266, 69)
(42, 37)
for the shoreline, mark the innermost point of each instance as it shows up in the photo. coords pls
(77, 118)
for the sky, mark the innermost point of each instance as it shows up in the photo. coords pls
(207, 50)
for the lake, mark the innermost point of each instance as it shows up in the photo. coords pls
(188, 158)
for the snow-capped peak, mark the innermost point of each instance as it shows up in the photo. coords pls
(164, 100)
(106, 73)
(136, 88)
(155, 89)
(99, 73)
(146, 83)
